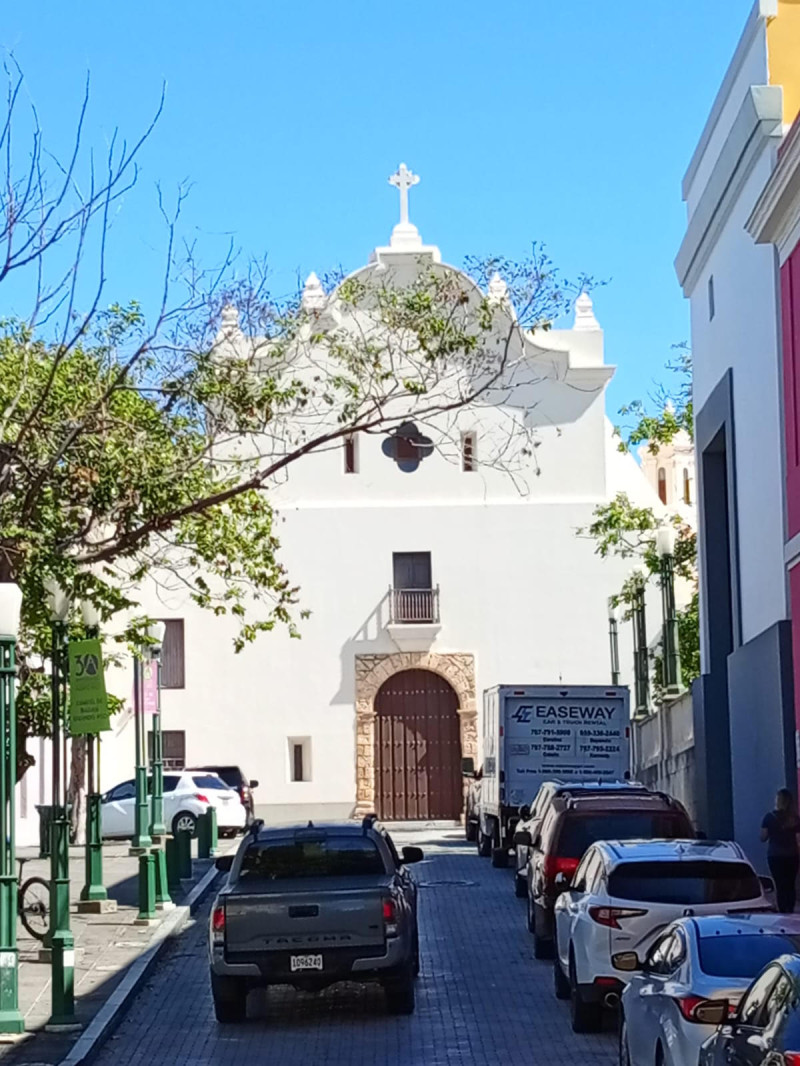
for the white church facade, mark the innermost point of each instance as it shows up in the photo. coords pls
(427, 581)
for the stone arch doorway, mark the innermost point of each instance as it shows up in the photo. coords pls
(417, 748)
(371, 671)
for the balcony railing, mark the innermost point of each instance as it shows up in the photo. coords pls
(414, 606)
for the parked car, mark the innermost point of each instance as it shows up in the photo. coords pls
(622, 896)
(692, 966)
(765, 1031)
(531, 818)
(309, 906)
(234, 777)
(571, 825)
(187, 795)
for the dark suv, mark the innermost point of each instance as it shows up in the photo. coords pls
(574, 822)
(234, 778)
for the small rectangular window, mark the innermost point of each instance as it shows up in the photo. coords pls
(174, 748)
(173, 662)
(350, 455)
(299, 758)
(468, 449)
(711, 305)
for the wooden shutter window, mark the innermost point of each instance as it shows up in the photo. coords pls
(468, 442)
(350, 457)
(173, 660)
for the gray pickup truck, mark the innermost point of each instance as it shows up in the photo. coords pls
(311, 905)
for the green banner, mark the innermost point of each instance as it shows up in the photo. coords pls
(88, 704)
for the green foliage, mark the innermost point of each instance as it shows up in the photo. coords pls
(669, 412)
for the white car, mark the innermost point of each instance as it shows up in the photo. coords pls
(671, 1006)
(187, 795)
(621, 897)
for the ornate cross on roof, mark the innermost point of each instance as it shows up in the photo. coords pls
(403, 180)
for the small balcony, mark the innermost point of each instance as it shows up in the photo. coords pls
(414, 621)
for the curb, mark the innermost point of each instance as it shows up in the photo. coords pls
(111, 1013)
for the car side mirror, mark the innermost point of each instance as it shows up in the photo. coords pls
(468, 767)
(524, 812)
(254, 784)
(715, 1012)
(224, 863)
(627, 961)
(411, 854)
(522, 839)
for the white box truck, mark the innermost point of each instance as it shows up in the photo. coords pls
(537, 733)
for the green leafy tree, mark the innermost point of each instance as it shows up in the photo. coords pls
(623, 529)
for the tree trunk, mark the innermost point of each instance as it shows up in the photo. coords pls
(76, 791)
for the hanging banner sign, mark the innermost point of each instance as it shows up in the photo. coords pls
(88, 703)
(150, 687)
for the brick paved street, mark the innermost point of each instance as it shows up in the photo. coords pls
(481, 998)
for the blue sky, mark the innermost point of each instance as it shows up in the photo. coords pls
(569, 123)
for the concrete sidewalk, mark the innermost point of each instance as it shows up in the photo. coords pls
(107, 947)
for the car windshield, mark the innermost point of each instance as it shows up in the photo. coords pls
(684, 882)
(743, 956)
(579, 831)
(284, 859)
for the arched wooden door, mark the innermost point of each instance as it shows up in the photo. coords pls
(418, 748)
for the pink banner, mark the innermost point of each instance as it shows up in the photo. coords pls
(149, 688)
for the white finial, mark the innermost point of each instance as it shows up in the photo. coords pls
(584, 313)
(314, 297)
(229, 320)
(498, 290)
(669, 407)
(403, 180)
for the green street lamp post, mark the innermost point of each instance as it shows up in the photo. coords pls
(157, 827)
(60, 939)
(141, 837)
(640, 650)
(613, 640)
(11, 1020)
(94, 896)
(665, 545)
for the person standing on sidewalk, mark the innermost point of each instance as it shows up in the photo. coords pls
(780, 829)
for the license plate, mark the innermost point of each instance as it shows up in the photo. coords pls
(305, 962)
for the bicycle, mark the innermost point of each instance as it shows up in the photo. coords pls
(33, 903)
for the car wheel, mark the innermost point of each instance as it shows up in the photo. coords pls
(399, 992)
(624, 1050)
(183, 821)
(520, 886)
(542, 947)
(230, 998)
(484, 844)
(586, 1017)
(499, 858)
(560, 983)
(470, 831)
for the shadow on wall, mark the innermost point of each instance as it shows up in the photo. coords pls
(371, 638)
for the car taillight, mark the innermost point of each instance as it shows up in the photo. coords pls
(389, 917)
(203, 799)
(791, 1058)
(559, 864)
(610, 916)
(695, 1008)
(218, 923)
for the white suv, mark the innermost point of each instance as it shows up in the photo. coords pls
(187, 795)
(623, 894)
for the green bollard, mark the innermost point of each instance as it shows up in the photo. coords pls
(63, 983)
(147, 888)
(204, 835)
(184, 839)
(163, 901)
(173, 865)
(213, 835)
